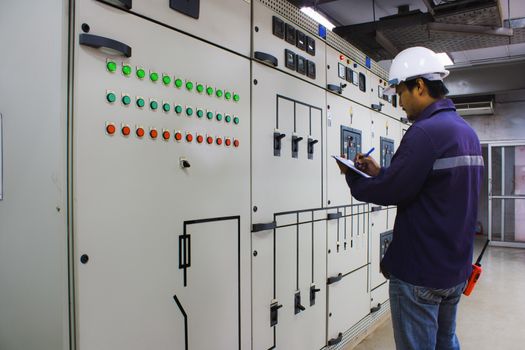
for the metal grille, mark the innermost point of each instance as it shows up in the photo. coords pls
(489, 16)
(292, 13)
(361, 328)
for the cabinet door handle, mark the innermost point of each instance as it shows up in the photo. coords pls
(124, 4)
(98, 42)
(264, 227)
(265, 57)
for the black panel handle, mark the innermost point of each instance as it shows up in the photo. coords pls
(333, 216)
(377, 208)
(375, 309)
(337, 278)
(337, 340)
(267, 58)
(277, 137)
(335, 88)
(99, 41)
(264, 227)
(274, 312)
(124, 4)
(313, 292)
(298, 306)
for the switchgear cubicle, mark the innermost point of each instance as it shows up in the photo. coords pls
(183, 193)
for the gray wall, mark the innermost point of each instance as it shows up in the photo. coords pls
(507, 124)
(33, 232)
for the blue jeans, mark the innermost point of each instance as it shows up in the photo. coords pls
(424, 318)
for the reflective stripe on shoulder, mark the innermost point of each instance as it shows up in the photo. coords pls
(454, 162)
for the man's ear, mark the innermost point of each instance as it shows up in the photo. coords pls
(420, 86)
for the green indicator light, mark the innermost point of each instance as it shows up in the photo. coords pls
(111, 97)
(154, 76)
(236, 120)
(218, 93)
(140, 73)
(126, 70)
(227, 95)
(209, 115)
(200, 113)
(154, 105)
(140, 102)
(178, 109)
(189, 85)
(166, 80)
(178, 83)
(200, 88)
(112, 66)
(228, 119)
(236, 97)
(126, 100)
(166, 107)
(189, 111)
(219, 116)
(209, 90)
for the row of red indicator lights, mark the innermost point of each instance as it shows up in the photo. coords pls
(111, 129)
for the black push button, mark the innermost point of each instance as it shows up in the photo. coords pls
(301, 65)
(310, 69)
(278, 27)
(290, 34)
(289, 59)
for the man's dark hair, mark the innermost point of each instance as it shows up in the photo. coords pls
(436, 88)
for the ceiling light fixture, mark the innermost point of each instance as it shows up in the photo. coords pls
(316, 16)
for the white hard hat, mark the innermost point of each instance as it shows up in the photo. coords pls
(414, 62)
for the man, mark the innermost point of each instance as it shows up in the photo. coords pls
(434, 179)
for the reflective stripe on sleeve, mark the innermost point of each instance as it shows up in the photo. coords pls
(454, 162)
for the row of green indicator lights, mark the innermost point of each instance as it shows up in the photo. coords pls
(166, 79)
(111, 97)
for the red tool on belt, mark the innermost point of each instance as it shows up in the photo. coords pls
(476, 272)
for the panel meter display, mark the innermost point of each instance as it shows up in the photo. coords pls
(387, 151)
(350, 142)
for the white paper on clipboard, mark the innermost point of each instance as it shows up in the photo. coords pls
(350, 164)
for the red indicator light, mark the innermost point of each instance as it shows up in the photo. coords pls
(140, 132)
(126, 130)
(166, 135)
(153, 133)
(110, 129)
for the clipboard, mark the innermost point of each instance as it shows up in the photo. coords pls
(350, 165)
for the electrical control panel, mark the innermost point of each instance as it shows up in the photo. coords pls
(387, 151)
(203, 201)
(286, 46)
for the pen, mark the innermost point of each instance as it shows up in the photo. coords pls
(368, 153)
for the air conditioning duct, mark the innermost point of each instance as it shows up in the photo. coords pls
(475, 108)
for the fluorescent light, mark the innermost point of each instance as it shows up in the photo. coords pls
(445, 59)
(316, 16)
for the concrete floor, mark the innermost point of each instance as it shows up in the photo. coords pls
(493, 316)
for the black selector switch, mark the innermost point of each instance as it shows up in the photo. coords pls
(274, 313)
(311, 143)
(310, 45)
(289, 59)
(290, 34)
(301, 65)
(298, 306)
(295, 145)
(310, 68)
(277, 137)
(313, 292)
(301, 40)
(278, 27)
(362, 82)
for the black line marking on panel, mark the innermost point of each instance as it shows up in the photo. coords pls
(295, 117)
(313, 250)
(297, 252)
(345, 228)
(337, 241)
(310, 121)
(277, 112)
(274, 258)
(188, 248)
(185, 321)
(357, 269)
(382, 284)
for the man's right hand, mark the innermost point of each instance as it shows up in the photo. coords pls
(367, 164)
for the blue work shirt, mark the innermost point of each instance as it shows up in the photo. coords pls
(434, 179)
